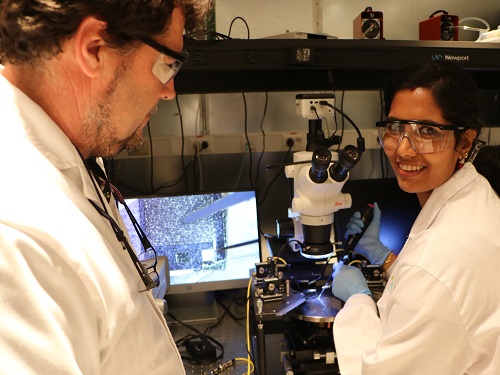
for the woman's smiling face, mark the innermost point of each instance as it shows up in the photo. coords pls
(420, 173)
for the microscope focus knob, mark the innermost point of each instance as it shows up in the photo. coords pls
(285, 228)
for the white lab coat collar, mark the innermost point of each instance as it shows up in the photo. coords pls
(45, 135)
(441, 195)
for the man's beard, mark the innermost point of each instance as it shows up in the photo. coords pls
(100, 131)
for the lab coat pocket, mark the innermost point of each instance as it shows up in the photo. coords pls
(382, 305)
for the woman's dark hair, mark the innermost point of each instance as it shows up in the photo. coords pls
(487, 162)
(34, 29)
(453, 89)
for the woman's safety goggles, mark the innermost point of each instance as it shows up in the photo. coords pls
(425, 137)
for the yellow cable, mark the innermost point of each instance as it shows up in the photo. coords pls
(249, 363)
(280, 259)
(248, 325)
(354, 262)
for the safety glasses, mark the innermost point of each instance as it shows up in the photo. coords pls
(162, 70)
(425, 137)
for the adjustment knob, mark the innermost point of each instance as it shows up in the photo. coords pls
(285, 228)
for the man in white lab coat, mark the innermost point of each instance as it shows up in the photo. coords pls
(80, 81)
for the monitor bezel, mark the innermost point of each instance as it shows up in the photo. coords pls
(210, 286)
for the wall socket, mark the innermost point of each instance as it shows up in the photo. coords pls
(199, 143)
(238, 143)
(299, 141)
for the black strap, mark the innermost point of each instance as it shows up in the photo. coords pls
(100, 176)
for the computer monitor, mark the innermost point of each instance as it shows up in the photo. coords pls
(211, 241)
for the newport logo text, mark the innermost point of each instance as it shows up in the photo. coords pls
(456, 58)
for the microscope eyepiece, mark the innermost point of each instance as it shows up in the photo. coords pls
(321, 159)
(348, 158)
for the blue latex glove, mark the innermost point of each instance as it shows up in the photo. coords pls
(348, 280)
(369, 245)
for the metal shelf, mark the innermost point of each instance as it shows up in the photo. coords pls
(258, 65)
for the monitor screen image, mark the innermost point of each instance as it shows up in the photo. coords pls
(211, 239)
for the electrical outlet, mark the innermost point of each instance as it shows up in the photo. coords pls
(250, 143)
(204, 144)
(299, 141)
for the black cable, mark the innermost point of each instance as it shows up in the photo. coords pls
(290, 190)
(181, 342)
(381, 150)
(245, 22)
(316, 112)
(272, 166)
(151, 165)
(360, 140)
(335, 119)
(263, 140)
(384, 160)
(382, 105)
(292, 276)
(109, 167)
(217, 35)
(227, 311)
(184, 167)
(322, 273)
(182, 142)
(250, 162)
(183, 176)
(438, 11)
(134, 189)
(343, 119)
(195, 177)
(275, 177)
(344, 115)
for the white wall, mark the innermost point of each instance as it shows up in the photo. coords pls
(225, 112)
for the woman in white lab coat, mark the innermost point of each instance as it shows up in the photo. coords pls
(440, 310)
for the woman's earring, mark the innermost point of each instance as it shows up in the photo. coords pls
(461, 161)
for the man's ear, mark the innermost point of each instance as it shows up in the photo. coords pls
(466, 141)
(90, 46)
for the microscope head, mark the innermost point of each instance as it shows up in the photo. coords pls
(317, 196)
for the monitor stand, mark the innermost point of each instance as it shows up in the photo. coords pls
(192, 307)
